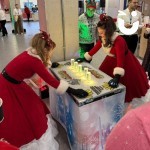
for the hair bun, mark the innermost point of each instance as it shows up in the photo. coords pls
(45, 36)
(103, 17)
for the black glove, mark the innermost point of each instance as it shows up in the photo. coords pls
(77, 92)
(80, 60)
(115, 81)
(55, 64)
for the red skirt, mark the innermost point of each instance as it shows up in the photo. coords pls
(135, 78)
(24, 113)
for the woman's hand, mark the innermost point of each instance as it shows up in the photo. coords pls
(115, 81)
(80, 93)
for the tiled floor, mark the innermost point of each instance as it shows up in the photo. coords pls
(11, 46)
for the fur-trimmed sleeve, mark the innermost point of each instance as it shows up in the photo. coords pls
(95, 48)
(118, 70)
(60, 86)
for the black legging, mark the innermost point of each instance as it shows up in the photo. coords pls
(4, 30)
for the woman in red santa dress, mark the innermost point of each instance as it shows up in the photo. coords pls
(27, 123)
(119, 63)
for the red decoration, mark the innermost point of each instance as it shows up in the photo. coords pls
(46, 37)
(103, 17)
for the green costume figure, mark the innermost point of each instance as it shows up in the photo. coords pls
(87, 28)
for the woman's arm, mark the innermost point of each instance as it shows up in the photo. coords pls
(41, 70)
(88, 55)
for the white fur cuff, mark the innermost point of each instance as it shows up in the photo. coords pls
(87, 56)
(63, 86)
(119, 71)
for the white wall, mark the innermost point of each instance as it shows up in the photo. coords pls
(112, 7)
(22, 2)
(62, 24)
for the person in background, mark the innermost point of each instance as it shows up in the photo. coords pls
(80, 7)
(36, 8)
(18, 20)
(27, 121)
(119, 63)
(102, 6)
(87, 28)
(132, 132)
(3, 22)
(132, 40)
(146, 60)
(27, 12)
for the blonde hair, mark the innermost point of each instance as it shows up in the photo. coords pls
(43, 47)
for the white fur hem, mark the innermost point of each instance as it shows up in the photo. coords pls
(119, 71)
(87, 56)
(46, 141)
(32, 52)
(63, 86)
(114, 36)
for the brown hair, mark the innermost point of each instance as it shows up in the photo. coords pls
(108, 24)
(41, 45)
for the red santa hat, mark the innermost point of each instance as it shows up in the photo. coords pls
(90, 4)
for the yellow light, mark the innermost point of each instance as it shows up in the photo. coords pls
(84, 75)
(76, 65)
(85, 71)
(88, 75)
(80, 68)
(72, 62)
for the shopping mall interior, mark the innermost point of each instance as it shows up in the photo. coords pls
(59, 18)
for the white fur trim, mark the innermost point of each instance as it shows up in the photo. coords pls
(87, 56)
(1, 103)
(32, 52)
(119, 71)
(63, 86)
(114, 36)
(107, 50)
(47, 141)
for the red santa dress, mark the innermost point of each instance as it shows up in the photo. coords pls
(7, 146)
(27, 123)
(120, 60)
